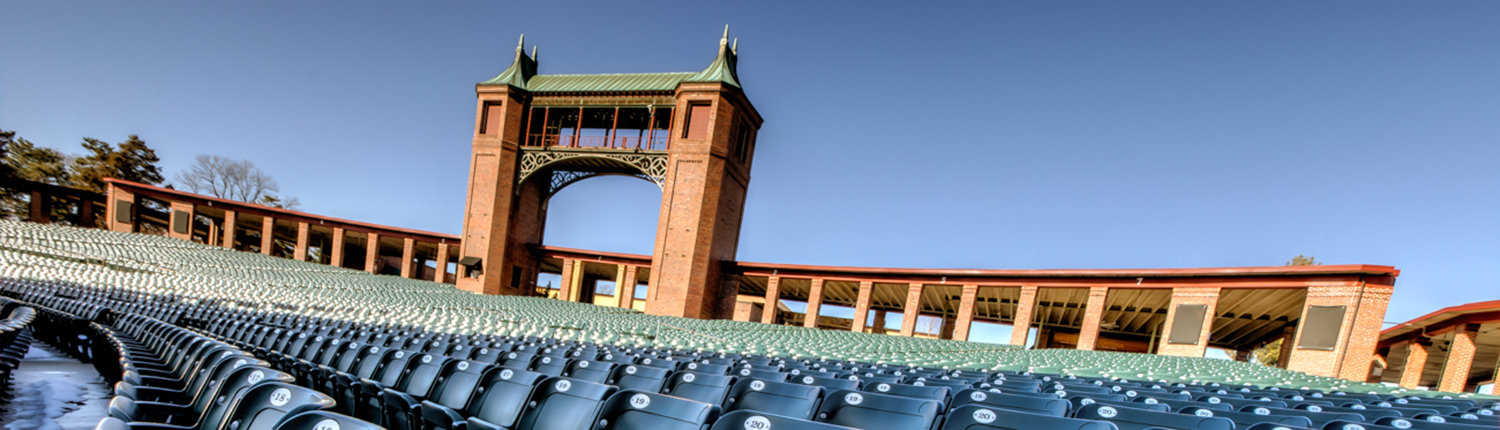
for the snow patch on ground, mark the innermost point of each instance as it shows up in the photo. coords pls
(52, 391)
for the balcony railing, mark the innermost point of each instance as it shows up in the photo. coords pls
(652, 143)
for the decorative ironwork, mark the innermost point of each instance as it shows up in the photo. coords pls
(648, 166)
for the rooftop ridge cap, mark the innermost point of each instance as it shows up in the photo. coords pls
(615, 74)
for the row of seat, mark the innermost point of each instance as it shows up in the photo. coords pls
(317, 325)
(15, 340)
(169, 377)
(392, 370)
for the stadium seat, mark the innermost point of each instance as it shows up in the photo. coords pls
(639, 410)
(755, 420)
(780, 398)
(706, 388)
(980, 417)
(323, 420)
(874, 410)
(1140, 419)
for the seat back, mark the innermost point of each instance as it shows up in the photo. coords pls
(324, 420)
(266, 404)
(915, 391)
(639, 410)
(875, 410)
(503, 396)
(1129, 418)
(636, 377)
(706, 388)
(1047, 404)
(564, 404)
(981, 417)
(780, 398)
(756, 420)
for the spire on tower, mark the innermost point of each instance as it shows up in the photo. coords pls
(723, 67)
(520, 70)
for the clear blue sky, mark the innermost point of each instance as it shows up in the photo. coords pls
(994, 135)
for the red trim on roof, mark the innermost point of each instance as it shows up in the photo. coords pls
(289, 213)
(1438, 316)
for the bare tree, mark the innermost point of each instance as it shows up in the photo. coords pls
(232, 179)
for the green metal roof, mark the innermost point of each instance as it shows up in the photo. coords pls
(607, 82)
(522, 74)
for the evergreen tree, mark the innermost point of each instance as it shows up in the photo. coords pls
(132, 161)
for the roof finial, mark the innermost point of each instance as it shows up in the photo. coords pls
(725, 40)
(521, 45)
(533, 52)
(735, 47)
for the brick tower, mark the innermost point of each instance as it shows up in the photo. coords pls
(691, 133)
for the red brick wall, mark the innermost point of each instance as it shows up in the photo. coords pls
(1208, 296)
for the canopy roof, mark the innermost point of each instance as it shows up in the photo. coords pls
(522, 74)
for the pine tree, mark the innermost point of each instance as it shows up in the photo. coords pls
(132, 161)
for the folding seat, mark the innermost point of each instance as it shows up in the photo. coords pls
(761, 374)
(210, 406)
(347, 383)
(1045, 404)
(828, 384)
(1370, 414)
(981, 417)
(705, 368)
(954, 385)
(917, 392)
(617, 358)
(1246, 419)
(1319, 419)
(486, 355)
(591, 371)
(266, 404)
(873, 410)
(558, 403)
(1179, 404)
(657, 362)
(702, 387)
(399, 402)
(756, 420)
(323, 420)
(780, 398)
(1461, 418)
(1084, 399)
(517, 360)
(1139, 419)
(1405, 409)
(548, 365)
(798, 373)
(497, 403)
(634, 377)
(639, 410)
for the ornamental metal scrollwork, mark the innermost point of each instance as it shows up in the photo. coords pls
(652, 167)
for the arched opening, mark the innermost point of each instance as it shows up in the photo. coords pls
(614, 212)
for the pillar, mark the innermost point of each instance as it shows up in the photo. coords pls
(1025, 306)
(572, 281)
(39, 207)
(408, 253)
(773, 300)
(743, 311)
(1363, 306)
(814, 304)
(120, 210)
(965, 313)
(1416, 363)
(300, 253)
(231, 220)
(441, 276)
(1460, 358)
(86, 213)
(862, 306)
(946, 330)
(1284, 353)
(180, 224)
(336, 255)
(267, 234)
(877, 326)
(912, 311)
(372, 251)
(625, 280)
(703, 197)
(213, 233)
(1093, 314)
(1206, 296)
